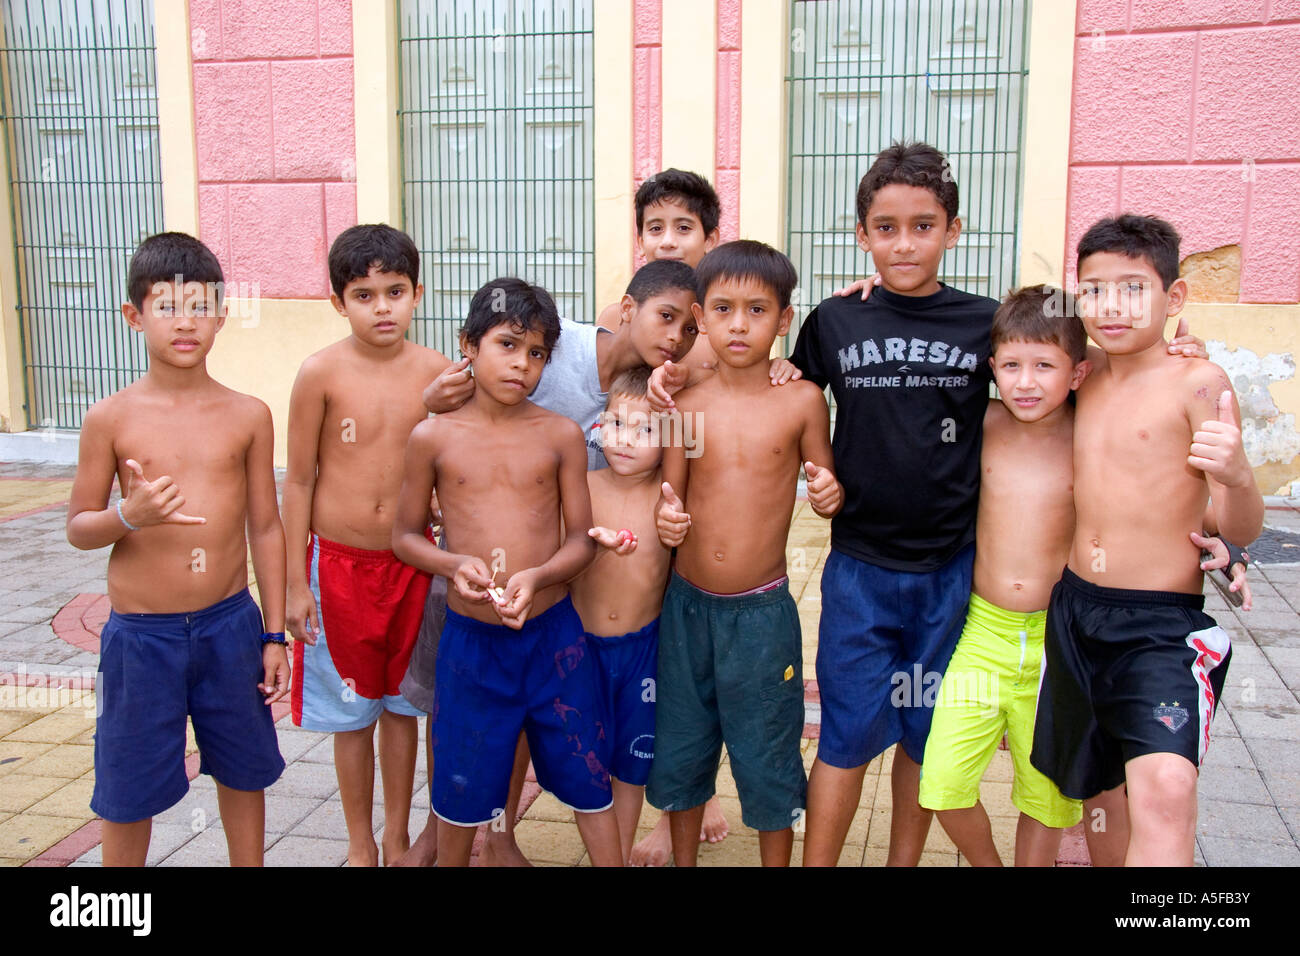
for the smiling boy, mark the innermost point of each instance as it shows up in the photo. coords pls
(909, 371)
(353, 607)
(1134, 667)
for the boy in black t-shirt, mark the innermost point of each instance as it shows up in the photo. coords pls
(909, 370)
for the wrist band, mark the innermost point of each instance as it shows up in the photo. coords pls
(274, 637)
(1236, 555)
(129, 526)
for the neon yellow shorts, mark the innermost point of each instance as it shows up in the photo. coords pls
(991, 688)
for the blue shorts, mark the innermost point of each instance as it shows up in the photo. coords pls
(626, 668)
(154, 669)
(884, 641)
(492, 682)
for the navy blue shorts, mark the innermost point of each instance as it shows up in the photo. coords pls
(492, 681)
(626, 667)
(884, 641)
(154, 669)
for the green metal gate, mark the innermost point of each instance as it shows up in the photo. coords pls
(864, 73)
(80, 110)
(497, 152)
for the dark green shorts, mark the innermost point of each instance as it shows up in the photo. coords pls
(730, 671)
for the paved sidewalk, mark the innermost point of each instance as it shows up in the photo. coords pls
(51, 609)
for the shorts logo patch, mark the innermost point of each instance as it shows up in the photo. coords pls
(1172, 717)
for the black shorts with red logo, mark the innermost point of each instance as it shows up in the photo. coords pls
(1126, 673)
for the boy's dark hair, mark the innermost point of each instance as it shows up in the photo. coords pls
(359, 249)
(747, 259)
(1138, 237)
(633, 383)
(690, 189)
(167, 256)
(1040, 313)
(655, 278)
(512, 301)
(909, 164)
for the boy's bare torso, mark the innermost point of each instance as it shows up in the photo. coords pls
(619, 594)
(201, 439)
(498, 486)
(1137, 498)
(741, 488)
(1026, 509)
(370, 407)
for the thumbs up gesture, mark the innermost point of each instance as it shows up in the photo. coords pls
(1216, 447)
(671, 519)
(825, 494)
(147, 503)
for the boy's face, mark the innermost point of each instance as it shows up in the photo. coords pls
(629, 432)
(507, 362)
(742, 318)
(179, 322)
(672, 232)
(1034, 378)
(379, 306)
(907, 232)
(1123, 304)
(663, 326)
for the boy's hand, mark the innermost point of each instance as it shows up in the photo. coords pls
(149, 503)
(518, 599)
(861, 285)
(1216, 547)
(472, 581)
(275, 666)
(1216, 448)
(664, 381)
(1185, 343)
(671, 519)
(782, 371)
(620, 542)
(450, 390)
(825, 494)
(300, 614)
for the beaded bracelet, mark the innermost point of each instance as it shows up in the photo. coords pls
(129, 526)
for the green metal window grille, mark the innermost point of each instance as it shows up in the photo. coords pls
(497, 152)
(864, 73)
(80, 111)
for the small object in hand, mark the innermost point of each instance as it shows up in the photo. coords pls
(625, 535)
(1221, 579)
(498, 594)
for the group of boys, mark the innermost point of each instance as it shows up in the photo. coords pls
(603, 511)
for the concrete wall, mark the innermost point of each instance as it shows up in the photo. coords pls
(1187, 109)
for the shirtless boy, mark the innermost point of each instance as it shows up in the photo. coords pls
(620, 595)
(1022, 535)
(184, 636)
(730, 656)
(512, 655)
(1155, 437)
(353, 607)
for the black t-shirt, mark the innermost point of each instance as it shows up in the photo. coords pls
(910, 376)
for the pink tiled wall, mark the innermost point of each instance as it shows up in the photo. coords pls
(647, 89)
(274, 126)
(727, 153)
(1190, 110)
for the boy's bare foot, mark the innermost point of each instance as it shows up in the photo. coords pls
(714, 829)
(501, 851)
(397, 848)
(424, 851)
(363, 852)
(655, 849)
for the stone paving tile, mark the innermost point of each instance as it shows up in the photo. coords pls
(1233, 785)
(70, 800)
(307, 851)
(1222, 851)
(295, 742)
(1243, 821)
(308, 780)
(21, 790)
(207, 848)
(1268, 724)
(26, 835)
